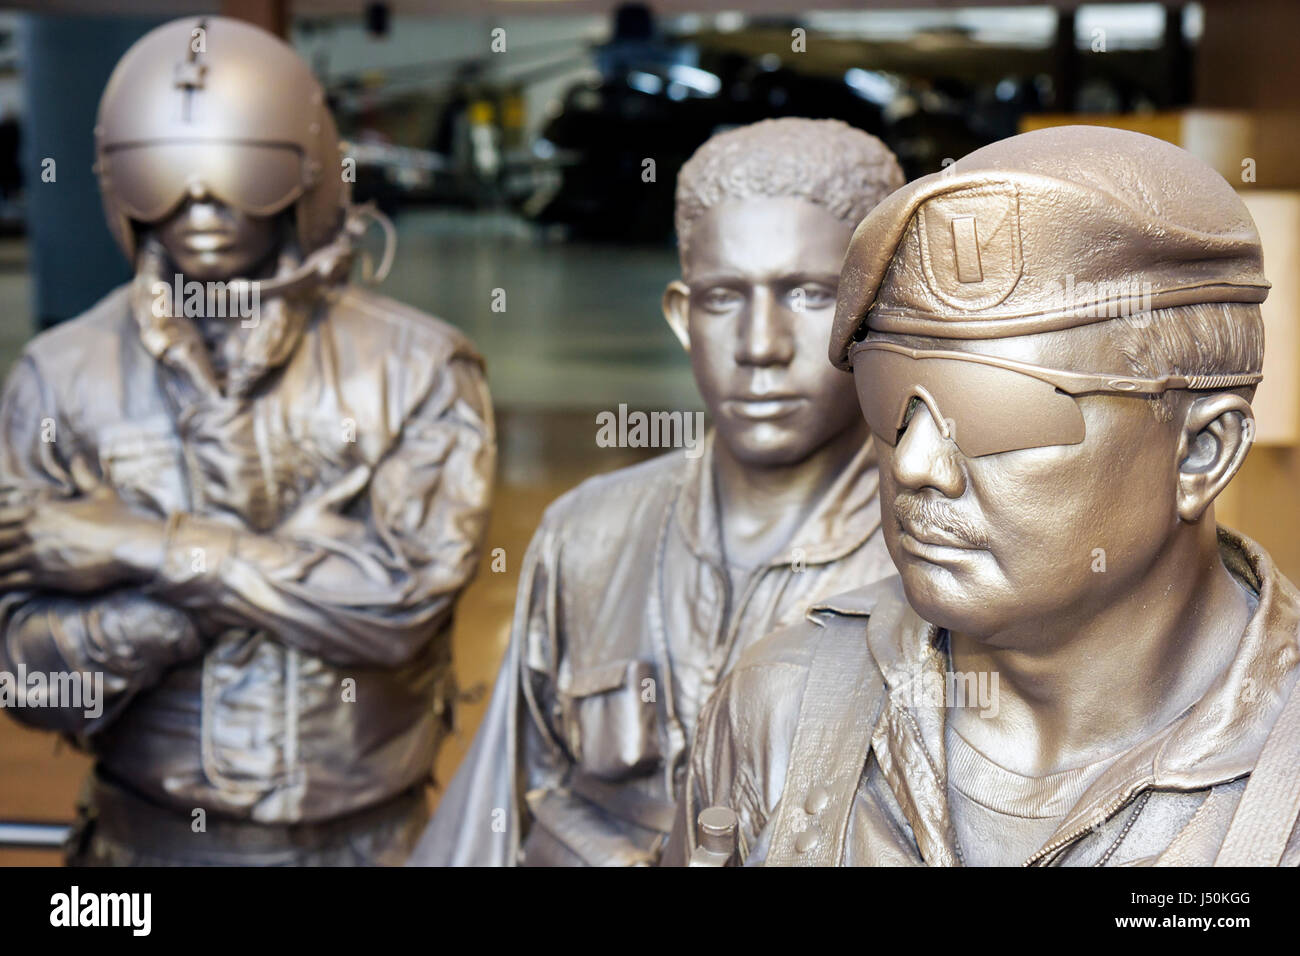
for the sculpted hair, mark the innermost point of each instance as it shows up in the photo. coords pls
(826, 162)
(1203, 339)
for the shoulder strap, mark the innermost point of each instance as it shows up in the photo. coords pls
(1197, 843)
(840, 706)
(1267, 813)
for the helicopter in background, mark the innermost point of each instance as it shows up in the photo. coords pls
(454, 133)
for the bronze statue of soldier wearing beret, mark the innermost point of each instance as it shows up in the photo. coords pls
(1056, 343)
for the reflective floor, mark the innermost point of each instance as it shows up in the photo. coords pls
(562, 325)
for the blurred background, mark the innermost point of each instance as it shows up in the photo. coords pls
(508, 140)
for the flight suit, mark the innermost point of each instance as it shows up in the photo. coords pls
(289, 667)
(627, 618)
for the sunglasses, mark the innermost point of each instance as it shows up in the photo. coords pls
(994, 404)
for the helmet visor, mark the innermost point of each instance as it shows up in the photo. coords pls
(149, 180)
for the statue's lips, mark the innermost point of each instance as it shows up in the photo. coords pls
(932, 544)
(208, 241)
(764, 409)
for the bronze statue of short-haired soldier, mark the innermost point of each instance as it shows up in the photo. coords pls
(1055, 343)
(642, 587)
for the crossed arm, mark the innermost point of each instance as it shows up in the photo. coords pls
(363, 573)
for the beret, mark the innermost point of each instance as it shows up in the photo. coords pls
(1047, 230)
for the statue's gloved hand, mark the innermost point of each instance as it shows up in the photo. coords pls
(78, 544)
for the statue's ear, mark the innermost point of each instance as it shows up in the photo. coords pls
(677, 311)
(1217, 433)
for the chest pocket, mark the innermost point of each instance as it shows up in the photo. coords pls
(144, 463)
(311, 450)
(611, 719)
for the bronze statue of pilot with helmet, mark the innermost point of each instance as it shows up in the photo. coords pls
(241, 491)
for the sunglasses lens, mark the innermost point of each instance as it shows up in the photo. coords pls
(151, 180)
(882, 391)
(988, 409)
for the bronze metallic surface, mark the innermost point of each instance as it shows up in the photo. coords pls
(642, 587)
(1075, 665)
(254, 526)
(892, 375)
(1190, 771)
(1047, 231)
(200, 82)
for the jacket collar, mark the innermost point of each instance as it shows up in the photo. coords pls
(175, 341)
(845, 516)
(908, 740)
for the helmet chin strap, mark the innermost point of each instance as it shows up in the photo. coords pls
(331, 263)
